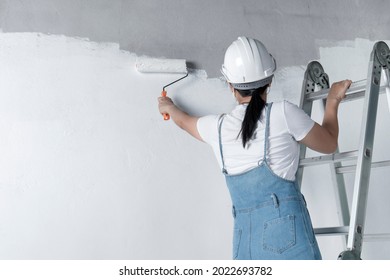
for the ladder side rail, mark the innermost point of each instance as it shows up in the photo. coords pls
(339, 189)
(307, 86)
(339, 192)
(387, 81)
(363, 166)
(315, 75)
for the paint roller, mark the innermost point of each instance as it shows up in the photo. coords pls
(158, 65)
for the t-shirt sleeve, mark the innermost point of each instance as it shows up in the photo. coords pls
(208, 128)
(298, 122)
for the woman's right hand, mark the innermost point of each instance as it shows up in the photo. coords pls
(323, 138)
(165, 104)
(338, 90)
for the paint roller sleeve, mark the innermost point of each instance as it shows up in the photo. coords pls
(158, 65)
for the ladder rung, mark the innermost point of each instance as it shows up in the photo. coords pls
(352, 155)
(352, 168)
(332, 230)
(344, 230)
(376, 237)
(356, 90)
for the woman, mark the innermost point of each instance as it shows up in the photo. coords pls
(257, 146)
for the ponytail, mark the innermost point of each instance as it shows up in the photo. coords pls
(252, 114)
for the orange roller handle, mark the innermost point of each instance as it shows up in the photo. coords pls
(166, 116)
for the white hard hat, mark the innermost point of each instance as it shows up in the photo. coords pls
(248, 64)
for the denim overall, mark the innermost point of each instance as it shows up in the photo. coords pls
(271, 220)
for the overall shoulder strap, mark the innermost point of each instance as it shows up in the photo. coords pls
(266, 136)
(220, 121)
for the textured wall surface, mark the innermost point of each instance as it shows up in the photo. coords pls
(200, 31)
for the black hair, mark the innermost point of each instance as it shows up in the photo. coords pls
(252, 113)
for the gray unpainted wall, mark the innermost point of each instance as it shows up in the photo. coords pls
(199, 31)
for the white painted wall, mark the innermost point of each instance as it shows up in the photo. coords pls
(89, 170)
(88, 167)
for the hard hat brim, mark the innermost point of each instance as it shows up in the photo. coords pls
(253, 85)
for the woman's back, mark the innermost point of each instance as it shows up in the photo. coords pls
(288, 124)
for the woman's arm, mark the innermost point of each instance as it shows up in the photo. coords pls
(324, 138)
(181, 118)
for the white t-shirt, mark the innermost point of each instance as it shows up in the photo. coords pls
(288, 124)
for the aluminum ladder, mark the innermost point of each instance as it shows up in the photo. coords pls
(316, 87)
